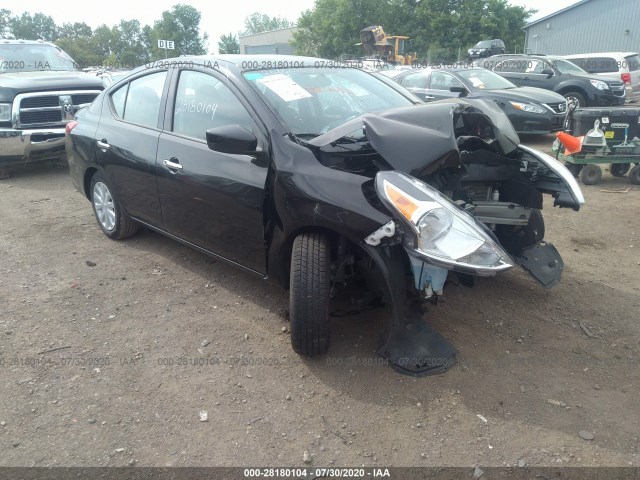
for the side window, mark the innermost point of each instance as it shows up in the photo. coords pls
(118, 98)
(139, 101)
(415, 80)
(204, 102)
(444, 81)
(511, 66)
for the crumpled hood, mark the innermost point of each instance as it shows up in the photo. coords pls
(411, 138)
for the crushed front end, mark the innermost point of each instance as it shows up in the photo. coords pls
(464, 196)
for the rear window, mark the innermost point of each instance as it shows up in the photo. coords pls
(633, 62)
(597, 64)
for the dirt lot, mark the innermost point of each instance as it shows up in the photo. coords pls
(103, 349)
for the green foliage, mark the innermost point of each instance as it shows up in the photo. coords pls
(259, 22)
(228, 44)
(439, 29)
(36, 27)
(127, 44)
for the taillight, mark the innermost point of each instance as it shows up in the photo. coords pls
(70, 126)
(626, 78)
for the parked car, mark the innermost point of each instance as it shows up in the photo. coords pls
(531, 110)
(559, 75)
(612, 64)
(40, 91)
(320, 178)
(486, 48)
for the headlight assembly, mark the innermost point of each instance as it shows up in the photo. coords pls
(528, 107)
(5, 112)
(439, 231)
(599, 85)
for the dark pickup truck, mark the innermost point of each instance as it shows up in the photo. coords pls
(41, 89)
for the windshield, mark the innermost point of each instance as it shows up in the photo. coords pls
(568, 68)
(34, 58)
(482, 79)
(483, 44)
(312, 101)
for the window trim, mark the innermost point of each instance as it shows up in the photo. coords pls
(172, 96)
(163, 97)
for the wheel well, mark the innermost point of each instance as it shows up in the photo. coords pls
(88, 175)
(285, 252)
(575, 90)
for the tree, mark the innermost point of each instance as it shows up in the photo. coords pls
(5, 23)
(182, 25)
(36, 27)
(228, 44)
(130, 44)
(332, 27)
(259, 22)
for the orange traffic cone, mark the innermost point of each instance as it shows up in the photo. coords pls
(571, 144)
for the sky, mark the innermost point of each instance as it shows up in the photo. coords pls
(218, 17)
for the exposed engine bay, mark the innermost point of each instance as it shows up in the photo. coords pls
(475, 160)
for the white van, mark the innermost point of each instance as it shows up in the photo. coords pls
(607, 64)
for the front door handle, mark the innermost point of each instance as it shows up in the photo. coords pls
(104, 146)
(429, 97)
(172, 164)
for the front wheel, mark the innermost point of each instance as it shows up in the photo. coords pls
(309, 294)
(112, 219)
(577, 98)
(591, 174)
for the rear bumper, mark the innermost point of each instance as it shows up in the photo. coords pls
(20, 146)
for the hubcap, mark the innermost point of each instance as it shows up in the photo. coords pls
(574, 100)
(103, 204)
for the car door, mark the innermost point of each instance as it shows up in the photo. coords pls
(211, 199)
(127, 142)
(533, 75)
(511, 69)
(440, 84)
(417, 83)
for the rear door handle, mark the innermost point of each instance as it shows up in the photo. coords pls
(172, 164)
(104, 146)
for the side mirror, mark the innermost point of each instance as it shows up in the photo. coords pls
(232, 139)
(461, 90)
(548, 72)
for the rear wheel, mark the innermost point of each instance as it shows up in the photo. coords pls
(591, 174)
(309, 294)
(112, 219)
(634, 175)
(577, 98)
(619, 169)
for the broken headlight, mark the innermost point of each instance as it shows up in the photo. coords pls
(439, 231)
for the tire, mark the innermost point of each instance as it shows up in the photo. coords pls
(309, 294)
(111, 217)
(619, 169)
(574, 168)
(515, 239)
(577, 97)
(591, 174)
(634, 175)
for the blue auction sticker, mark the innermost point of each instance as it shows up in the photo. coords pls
(253, 76)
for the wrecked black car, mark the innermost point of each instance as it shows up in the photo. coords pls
(321, 177)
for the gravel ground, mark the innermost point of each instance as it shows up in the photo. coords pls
(110, 352)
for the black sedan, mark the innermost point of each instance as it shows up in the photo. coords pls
(531, 110)
(320, 177)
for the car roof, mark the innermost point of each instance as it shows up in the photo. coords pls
(601, 54)
(13, 41)
(241, 61)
